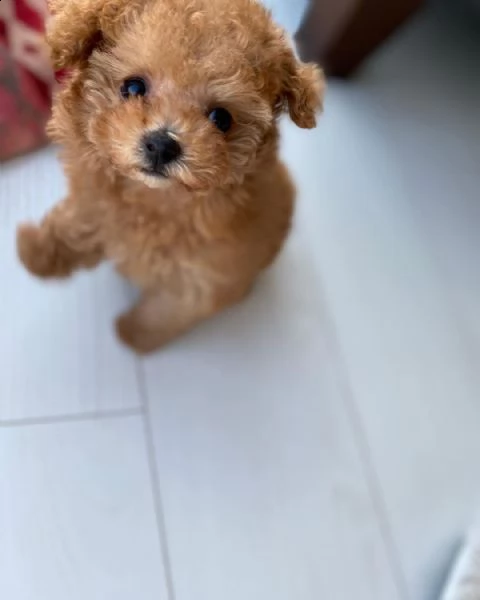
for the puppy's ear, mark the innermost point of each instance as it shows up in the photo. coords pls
(73, 31)
(303, 87)
(77, 27)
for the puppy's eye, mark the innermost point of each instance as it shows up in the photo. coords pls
(133, 88)
(221, 118)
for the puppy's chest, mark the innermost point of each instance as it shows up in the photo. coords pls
(148, 246)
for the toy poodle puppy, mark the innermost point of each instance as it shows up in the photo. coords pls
(168, 125)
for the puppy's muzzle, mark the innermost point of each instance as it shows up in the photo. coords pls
(159, 149)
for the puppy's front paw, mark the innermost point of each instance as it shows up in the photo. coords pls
(37, 249)
(31, 250)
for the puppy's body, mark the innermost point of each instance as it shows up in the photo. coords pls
(191, 231)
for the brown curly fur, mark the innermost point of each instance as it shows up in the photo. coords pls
(194, 241)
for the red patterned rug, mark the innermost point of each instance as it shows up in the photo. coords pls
(25, 77)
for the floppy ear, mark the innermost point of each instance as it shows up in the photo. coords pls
(77, 27)
(303, 87)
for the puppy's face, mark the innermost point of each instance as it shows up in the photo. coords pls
(176, 91)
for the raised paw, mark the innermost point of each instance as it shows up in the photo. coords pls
(38, 252)
(33, 250)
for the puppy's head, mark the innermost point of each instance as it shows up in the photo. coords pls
(184, 91)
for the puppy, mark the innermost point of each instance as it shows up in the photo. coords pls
(168, 120)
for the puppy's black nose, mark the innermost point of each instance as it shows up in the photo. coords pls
(160, 149)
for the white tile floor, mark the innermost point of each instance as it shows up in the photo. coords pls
(318, 442)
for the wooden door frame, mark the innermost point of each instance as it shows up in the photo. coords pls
(341, 34)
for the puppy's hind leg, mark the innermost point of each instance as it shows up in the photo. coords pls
(160, 316)
(67, 239)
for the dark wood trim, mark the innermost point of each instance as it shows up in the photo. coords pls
(341, 34)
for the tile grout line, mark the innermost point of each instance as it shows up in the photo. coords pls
(376, 494)
(73, 418)
(155, 482)
(365, 454)
(364, 451)
(454, 306)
